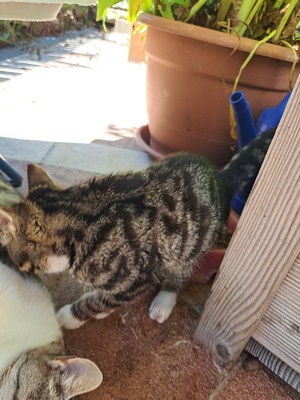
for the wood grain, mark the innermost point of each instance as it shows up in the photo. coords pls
(274, 364)
(279, 328)
(263, 249)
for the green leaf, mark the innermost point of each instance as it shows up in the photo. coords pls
(166, 7)
(134, 6)
(278, 4)
(243, 14)
(147, 5)
(196, 7)
(285, 19)
(252, 14)
(166, 12)
(103, 6)
(223, 10)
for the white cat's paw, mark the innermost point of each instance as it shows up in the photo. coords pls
(162, 305)
(67, 320)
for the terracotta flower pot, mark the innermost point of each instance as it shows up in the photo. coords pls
(208, 267)
(190, 75)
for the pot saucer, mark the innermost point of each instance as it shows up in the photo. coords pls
(143, 140)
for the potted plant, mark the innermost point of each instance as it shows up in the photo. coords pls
(191, 69)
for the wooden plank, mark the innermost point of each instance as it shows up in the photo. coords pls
(279, 328)
(274, 364)
(263, 249)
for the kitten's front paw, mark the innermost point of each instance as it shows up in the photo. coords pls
(67, 320)
(162, 306)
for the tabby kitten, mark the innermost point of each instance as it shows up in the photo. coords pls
(32, 361)
(124, 232)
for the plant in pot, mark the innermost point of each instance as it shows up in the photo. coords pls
(195, 52)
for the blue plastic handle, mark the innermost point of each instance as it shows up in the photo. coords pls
(12, 176)
(246, 129)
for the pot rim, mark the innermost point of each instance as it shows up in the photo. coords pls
(218, 38)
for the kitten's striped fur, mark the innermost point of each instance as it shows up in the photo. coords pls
(33, 365)
(124, 232)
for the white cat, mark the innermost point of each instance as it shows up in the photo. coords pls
(32, 361)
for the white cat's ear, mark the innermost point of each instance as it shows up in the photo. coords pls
(38, 177)
(79, 375)
(7, 227)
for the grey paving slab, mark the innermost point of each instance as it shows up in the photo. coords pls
(57, 98)
(72, 95)
(96, 158)
(24, 150)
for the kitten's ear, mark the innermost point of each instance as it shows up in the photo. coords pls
(79, 375)
(38, 177)
(8, 227)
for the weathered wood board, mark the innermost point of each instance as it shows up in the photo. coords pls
(279, 328)
(264, 247)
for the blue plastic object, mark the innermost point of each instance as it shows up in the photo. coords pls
(271, 116)
(12, 176)
(247, 131)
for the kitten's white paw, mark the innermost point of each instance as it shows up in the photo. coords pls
(162, 305)
(67, 320)
(103, 314)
